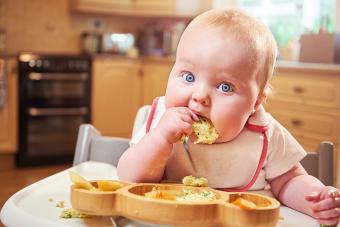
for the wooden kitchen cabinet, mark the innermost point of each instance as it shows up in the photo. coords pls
(8, 113)
(116, 95)
(306, 101)
(152, 7)
(155, 78)
(102, 6)
(157, 8)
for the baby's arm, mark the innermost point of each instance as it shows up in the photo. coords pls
(146, 160)
(301, 192)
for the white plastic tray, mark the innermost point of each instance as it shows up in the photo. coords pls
(31, 206)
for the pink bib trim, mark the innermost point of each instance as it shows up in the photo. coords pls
(251, 127)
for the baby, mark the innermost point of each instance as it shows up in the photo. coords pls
(224, 61)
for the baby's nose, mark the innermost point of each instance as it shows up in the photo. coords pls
(201, 96)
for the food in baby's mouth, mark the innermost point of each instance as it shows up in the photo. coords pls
(103, 185)
(184, 194)
(204, 130)
(195, 181)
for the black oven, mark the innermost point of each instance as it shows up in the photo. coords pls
(54, 99)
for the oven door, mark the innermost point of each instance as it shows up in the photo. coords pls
(53, 132)
(57, 89)
(51, 135)
(52, 107)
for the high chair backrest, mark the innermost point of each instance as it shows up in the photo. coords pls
(91, 145)
(319, 163)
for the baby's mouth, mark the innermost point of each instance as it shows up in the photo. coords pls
(198, 113)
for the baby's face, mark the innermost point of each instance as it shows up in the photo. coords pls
(214, 77)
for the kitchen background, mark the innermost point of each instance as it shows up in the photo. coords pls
(100, 60)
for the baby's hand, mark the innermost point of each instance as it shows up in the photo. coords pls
(175, 122)
(326, 205)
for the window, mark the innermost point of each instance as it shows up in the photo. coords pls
(288, 19)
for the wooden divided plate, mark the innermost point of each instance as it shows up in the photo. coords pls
(130, 201)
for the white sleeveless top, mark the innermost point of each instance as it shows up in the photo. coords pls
(233, 164)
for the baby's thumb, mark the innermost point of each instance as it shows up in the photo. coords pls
(314, 196)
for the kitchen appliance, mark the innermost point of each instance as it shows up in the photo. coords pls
(91, 42)
(54, 99)
(160, 38)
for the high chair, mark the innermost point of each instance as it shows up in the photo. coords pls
(95, 158)
(91, 145)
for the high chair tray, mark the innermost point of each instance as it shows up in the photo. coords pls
(32, 206)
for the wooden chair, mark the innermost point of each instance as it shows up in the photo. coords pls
(91, 145)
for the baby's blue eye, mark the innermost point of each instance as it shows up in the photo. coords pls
(188, 77)
(225, 87)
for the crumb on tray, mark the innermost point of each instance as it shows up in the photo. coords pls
(60, 204)
(72, 213)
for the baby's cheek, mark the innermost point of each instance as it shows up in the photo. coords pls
(227, 132)
(175, 99)
(229, 127)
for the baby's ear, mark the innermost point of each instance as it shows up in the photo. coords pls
(260, 99)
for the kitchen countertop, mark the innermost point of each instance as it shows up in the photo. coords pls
(171, 59)
(279, 65)
(303, 66)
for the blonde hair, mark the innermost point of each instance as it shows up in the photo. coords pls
(249, 31)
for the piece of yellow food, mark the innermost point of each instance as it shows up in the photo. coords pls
(195, 181)
(79, 181)
(103, 185)
(184, 194)
(205, 131)
(60, 204)
(160, 194)
(106, 185)
(244, 203)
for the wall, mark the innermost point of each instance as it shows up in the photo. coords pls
(49, 25)
(224, 3)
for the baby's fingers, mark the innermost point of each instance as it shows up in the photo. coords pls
(187, 119)
(186, 128)
(193, 115)
(326, 204)
(189, 113)
(327, 214)
(312, 197)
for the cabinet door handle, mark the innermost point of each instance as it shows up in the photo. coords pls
(3, 83)
(298, 90)
(57, 111)
(297, 122)
(58, 76)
